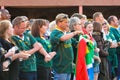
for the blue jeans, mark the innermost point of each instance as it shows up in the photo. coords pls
(118, 77)
(61, 76)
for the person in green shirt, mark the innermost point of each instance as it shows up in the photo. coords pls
(113, 21)
(61, 43)
(38, 30)
(27, 42)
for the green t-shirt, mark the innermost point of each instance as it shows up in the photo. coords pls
(96, 63)
(26, 44)
(40, 58)
(116, 34)
(112, 57)
(62, 62)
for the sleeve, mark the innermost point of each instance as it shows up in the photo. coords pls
(32, 39)
(55, 39)
(74, 42)
(2, 52)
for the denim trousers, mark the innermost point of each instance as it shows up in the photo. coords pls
(61, 76)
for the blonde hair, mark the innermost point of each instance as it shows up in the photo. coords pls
(4, 25)
(60, 17)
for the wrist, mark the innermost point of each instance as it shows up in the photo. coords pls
(74, 33)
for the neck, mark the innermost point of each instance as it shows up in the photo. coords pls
(7, 38)
(60, 29)
(20, 35)
(41, 35)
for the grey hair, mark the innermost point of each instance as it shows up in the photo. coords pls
(72, 22)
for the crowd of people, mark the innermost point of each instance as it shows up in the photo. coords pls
(68, 48)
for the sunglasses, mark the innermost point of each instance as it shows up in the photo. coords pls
(104, 23)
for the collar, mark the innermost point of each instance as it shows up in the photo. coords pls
(59, 29)
(114, 26)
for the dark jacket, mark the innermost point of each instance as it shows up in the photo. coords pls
(101, 44)
(14, 66)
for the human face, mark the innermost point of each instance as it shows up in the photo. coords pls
(89, 28)
(43, 29)
(78, 26)
(100, 18)
(64, 24)
(83, 20)
(20, 29)
(105, 26)
(116, 22)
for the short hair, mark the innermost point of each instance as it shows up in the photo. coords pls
(18, 20)
(4, 25)
(96, 14)
(4, 14)
(60, 17)
(110, 18)
(72, 22)
(77, 15)
(38, 23)
(3, 11)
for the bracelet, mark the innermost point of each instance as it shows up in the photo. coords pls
(9, 59)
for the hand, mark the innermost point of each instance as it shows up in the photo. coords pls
(52, 54)
(9, 53)
(6, 64)
(97, 49)
(47, 58)
(23, 55)
(78, 32)
(113, 44)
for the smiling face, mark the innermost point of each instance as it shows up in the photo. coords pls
(105, 27)
(89, 28)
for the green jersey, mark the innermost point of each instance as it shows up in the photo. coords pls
(62, 62)
(26, 44)
(40, 58)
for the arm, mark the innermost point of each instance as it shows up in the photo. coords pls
(70, 35)
(35, 48)
(23, 54)
(97, 58)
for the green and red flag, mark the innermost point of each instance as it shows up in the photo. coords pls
(81, 70)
